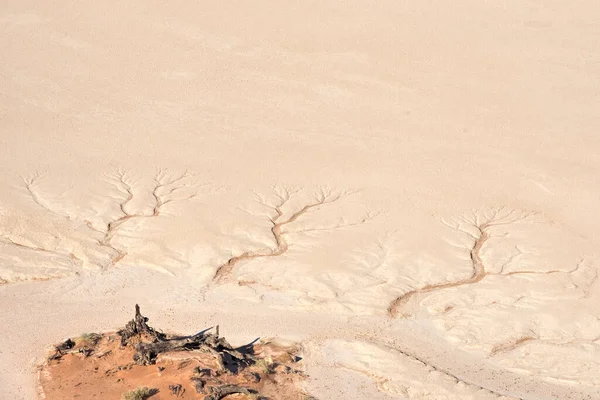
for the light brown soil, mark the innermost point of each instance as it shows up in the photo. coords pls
(108, 371)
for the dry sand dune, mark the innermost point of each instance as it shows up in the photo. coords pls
(410, 190)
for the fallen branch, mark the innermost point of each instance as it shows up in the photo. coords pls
(62, 349)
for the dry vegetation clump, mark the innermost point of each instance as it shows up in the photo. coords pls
(139, 362)
(141, 393)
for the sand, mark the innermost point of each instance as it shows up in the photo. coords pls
(409, 190)
(201, 366)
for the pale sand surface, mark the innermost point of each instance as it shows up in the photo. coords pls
(410, 189)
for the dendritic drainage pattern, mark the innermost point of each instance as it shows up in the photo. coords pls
(134, 199)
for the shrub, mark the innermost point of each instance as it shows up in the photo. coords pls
(90, 338)
(141, 393)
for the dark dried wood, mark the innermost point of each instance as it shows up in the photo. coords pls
(220, 392)
(62, 349)
(145, 353)
(176, 390)
(66, 345)
(86, 351)
(198, 385)
(138, 326)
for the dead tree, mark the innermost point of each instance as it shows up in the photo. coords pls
(226, 356)
(138, 326)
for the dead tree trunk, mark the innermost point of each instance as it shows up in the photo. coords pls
(145, 353)
(138, 326)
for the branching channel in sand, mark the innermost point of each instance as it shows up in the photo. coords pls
(278, 222)
(9, 240)
(166, 188)
(480, 235)
(533, 336)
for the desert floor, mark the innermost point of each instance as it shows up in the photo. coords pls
(409, 189)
